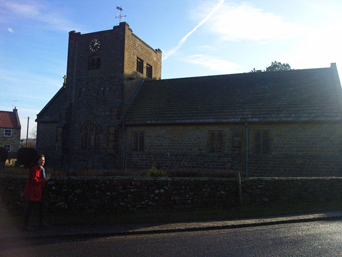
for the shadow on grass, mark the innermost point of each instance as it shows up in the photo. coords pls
(194, 215)
(175, 216)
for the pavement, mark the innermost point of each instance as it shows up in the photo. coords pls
(8, 232)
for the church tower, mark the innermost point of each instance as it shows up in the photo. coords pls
(105, 70)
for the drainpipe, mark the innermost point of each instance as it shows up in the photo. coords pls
(75, 69)
(247, 149)
(124, 149)
(123, 126)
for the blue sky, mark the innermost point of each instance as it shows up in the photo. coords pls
(197, 38)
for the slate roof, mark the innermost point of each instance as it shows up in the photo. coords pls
(9, 119)
(52, 110)
(309, 95)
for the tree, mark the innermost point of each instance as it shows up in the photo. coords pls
(3, 154)
(254, 70)
(278, 66)
(275, 66)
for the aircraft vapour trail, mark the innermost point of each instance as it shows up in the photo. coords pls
(182, 41)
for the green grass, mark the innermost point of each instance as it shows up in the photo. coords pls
(196, 215)
(175, 216)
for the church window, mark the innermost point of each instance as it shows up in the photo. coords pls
(94, 62)
(111, 137)
(216, 141)
(149, 71)
(138, 140)
(90, 135)
(262, 141)
(140, 65)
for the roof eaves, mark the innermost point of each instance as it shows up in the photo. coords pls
(123, 116)
(47, 120)
(51, 100)
(235, 121)
(337, 83)
(17, 119)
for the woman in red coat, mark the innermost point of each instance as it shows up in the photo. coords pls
(33, 191)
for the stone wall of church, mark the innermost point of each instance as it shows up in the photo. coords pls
(306, 149)
(46, 143)
(46, 135)
(184, 147)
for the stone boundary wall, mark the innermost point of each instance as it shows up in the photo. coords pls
(111, 194)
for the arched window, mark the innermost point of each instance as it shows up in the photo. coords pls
(90, 135)
(94, 62)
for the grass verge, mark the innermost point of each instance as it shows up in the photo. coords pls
(176, 216)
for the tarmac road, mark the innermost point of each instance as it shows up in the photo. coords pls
(315, 238)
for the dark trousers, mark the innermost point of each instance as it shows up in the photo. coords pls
(29, 208)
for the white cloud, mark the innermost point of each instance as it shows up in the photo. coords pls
(331, 9)
(13, 82)
(28, 9)
(10, 30)
(32, 10)
(212, 62)
(207, 49)
(243, 21)
(320, 49)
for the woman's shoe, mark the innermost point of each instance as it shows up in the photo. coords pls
(27, 229)
(43, 225)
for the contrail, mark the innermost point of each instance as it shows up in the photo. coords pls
(182, 41)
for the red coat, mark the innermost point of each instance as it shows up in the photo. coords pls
(34, 185)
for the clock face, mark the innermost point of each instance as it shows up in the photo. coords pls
(94, 45)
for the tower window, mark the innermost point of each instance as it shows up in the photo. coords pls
(81, 94)
(115, 113)
(94, 62)
(148, 71)
(140, 65)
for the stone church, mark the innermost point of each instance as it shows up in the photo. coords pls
(115, 112)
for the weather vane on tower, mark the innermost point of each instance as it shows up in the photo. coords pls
(120, 16)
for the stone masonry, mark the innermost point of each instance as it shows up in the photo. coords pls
(312, 149)
(13, 140)
(112, 194)
(95, 98)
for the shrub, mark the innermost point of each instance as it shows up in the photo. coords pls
(184, 173)
(202, 173)
(25, 156)
(3, 154)
(113, 173)
(155, 172)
